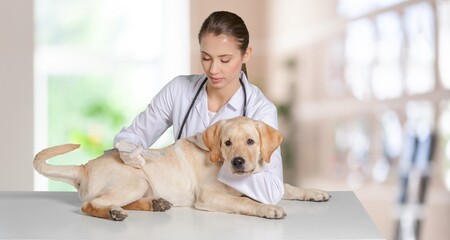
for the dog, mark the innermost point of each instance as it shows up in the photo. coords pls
(182, 174)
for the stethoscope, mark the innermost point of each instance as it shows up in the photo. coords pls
(244, 113)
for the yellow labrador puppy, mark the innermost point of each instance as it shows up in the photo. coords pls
(182, 174)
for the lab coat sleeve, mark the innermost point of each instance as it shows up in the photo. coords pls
(150, 124)
(267, 185)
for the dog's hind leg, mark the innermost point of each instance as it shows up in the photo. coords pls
(149, 204)
(104, 207)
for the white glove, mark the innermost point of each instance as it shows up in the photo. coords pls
(131, 154)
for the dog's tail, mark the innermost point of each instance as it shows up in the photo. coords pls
(68, 174)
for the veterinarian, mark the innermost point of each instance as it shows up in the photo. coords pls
(192, 103)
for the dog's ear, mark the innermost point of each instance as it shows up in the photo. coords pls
(270, 140)
(211, 139)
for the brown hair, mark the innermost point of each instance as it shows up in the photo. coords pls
(230, 24)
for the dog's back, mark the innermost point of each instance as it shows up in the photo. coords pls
(179, 170)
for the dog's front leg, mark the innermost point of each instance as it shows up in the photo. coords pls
(295, 193)
(220, 202)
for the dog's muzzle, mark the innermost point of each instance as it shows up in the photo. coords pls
(238, 163)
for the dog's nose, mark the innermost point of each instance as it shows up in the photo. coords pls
(238, 163)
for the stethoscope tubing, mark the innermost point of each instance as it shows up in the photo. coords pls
(244, 113)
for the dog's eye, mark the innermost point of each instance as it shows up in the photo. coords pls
(227, 143)
(250, 141)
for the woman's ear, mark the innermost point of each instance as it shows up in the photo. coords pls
(211, 139)
(270, 140)
(247, 54)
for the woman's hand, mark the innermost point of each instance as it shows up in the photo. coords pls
(131, 154)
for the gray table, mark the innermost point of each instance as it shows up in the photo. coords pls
(57, 215)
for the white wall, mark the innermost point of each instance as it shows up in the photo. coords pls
(16, 95)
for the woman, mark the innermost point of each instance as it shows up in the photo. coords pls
(192, 103)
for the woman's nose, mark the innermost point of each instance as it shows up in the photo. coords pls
(214, 68)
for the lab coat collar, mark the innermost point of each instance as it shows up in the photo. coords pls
(237, 100)
(233, 108)
(201, 106)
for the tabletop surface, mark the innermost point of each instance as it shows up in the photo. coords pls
(57, 215)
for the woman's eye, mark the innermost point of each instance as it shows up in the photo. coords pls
(250, 141)
(225, 61)
(206, 59)
(227, 143)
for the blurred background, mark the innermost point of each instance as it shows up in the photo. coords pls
(362, 90)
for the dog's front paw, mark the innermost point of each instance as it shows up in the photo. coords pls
(271, 212)
(316, 195)
(161, 205)
(118, 214)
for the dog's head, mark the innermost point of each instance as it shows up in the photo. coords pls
(241, 143)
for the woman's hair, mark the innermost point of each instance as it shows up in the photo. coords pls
(230, 24)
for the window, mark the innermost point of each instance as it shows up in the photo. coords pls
(419, 26)
(97, 65)
(444, 42)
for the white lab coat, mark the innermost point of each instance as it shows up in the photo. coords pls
(169, 107)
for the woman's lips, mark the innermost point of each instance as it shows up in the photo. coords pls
(215, 80)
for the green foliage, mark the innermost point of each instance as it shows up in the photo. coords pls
(80, 112)
(284, 110)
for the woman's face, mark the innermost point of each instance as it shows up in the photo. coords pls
(221, 59)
